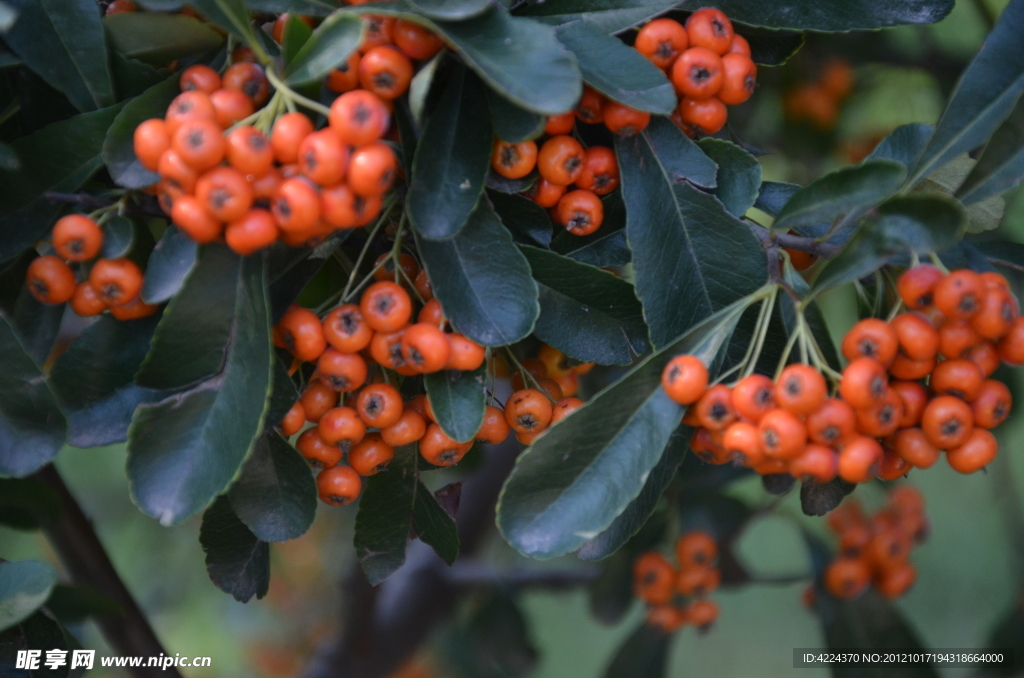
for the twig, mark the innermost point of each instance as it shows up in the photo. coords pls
(88, 564)
(468, 574)
(794, 242)
(89, 200)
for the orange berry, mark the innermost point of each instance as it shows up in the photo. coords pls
(339, 485)
(50, 280)
(685, 378)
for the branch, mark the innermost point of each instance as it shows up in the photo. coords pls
(88, 564)
(89, 200)
(792, 241)
(471, 574)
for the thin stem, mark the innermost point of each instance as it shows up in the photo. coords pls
(12, 110)
(527, 376)
(762, 334)
(294, 96)
(366, 248)
(785, 355)
(938, 262)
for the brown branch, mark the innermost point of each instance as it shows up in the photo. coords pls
(792, 241)
(88, 564)
(471, 574)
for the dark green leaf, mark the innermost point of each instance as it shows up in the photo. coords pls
(841, 192)
(918, 224)
(643, 655)
(604, 247)
(308, 7)
(528, 221)
(289, 270)
(32, 428)
(236, 560)
(193, 337)
(493, 639)
(818, 499)
(985, 95)
(586, 313)
(27, 504)
(60, 157)
(296, 34)
(275, 495)
(133, 77)
(637, 512)
(186, 449)
(576, 478)
(452, 159)
(483, 281)
(434, 526)
(773, 196)
(499, 183)
(904, 144)
(93, 379)
(282, 396)
(869, 622)
(1001, 166)
(73, 604)
(982, 215)
(835, 15)
(171, 261)
(690, 256)
(157, 39)
(680, 157)
(512, 123)
(37, 325)
(452, 10)
(617, 70)
(24, 587)
(117, 237)
(9, 161)
(769, 47)
(63, 43)
(739, 175)
(457, 400)
(37, 632)
(521, 59)
(1008, 634)
(231, 15)
(330, 45)
(609, 16)
(119, 144)
(385, 516)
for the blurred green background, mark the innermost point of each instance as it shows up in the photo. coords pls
(969, 573)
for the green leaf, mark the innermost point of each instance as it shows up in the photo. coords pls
(771, 47)
(9, 161)
(158, 39)
(457, 400)
(520, 58)
(604, 247)
(911, 224)
(236, 560)
(638, 511)
(617, 70)
(308, 7)
(680, 157)
(119, 144)
(231, 15)
(133, 77)
(275, 495)
(117, 237)
(24, 587)
(843, 16)
(512, 123)
(283, 395)
(62, 41)
(608, 16)
(173, 258)
(393, 504)
(496, 182)
(330, 45)
(983, 98)
(93, 380)
(983, 215)
(576, 478)
(841, 192)
(869, 622)
(588, 314)
(739, 175)
(60, 157)
(528, 221)
(290, 269)
(1001, 165)
(296, 34)
(74, 604)
(35, 633)
(27, 504)
(37, 325)
(690, 257)
(186, 449)
(32, 428)
(773, 196)
(483, 281)
(451, 10)
(452, 159)
(195, 333)
(643, 655)
(904, 144)
(1008, 634)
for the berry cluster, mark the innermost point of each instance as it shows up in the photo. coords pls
(531, 411)
(897, 404)
(299, 184)
(876, 550)
(112, 284)
(677, 597)
(817, 102)
(708, 64)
